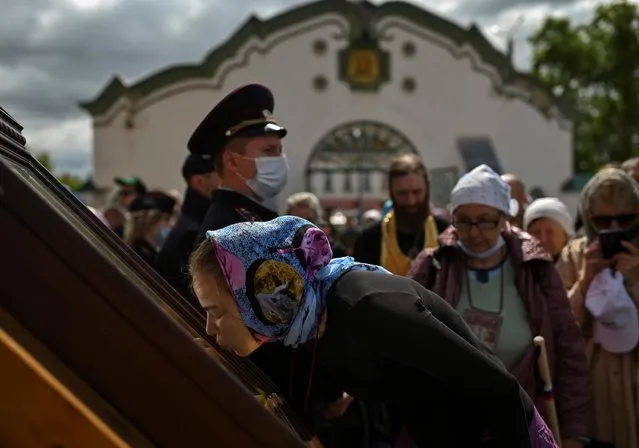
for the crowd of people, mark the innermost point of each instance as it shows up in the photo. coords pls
(415, 325)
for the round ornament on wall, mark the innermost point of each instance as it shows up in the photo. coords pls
(409, 84)
(319, 47)
(320, 83)
(409, 49)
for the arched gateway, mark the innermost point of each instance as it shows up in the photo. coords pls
(347, 166)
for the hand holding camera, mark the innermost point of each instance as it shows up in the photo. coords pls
(620, 253)
(594, 262)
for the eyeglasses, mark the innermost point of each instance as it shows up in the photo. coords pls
(484, 224)
(605, 221)
(123, 193)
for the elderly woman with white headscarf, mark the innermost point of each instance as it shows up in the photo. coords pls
(549, 220)
(600, 271)
(505, 286)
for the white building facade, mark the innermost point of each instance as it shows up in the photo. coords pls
(355, 84)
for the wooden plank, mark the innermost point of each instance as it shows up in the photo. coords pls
(83, 392)
(101, 319)
(102, 312)
(37, 410)
(111, 353)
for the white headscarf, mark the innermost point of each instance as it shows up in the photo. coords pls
(550, 208)
(483, 186)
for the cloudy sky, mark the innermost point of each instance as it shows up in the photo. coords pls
(55, 53)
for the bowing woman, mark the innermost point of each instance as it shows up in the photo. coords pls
(379, 336)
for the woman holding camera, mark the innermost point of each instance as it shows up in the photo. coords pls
(601, 274)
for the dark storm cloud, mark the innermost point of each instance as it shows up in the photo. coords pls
(71, 162)
(62, 55)
(53, 55)
(489, 8)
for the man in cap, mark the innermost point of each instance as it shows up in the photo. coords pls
(130, 188)
(201, 179)
(245, 140)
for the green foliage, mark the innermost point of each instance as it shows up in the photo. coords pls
(596, 67)
(45, 159)
(73, 181)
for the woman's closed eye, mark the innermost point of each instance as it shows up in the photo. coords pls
(214, 312)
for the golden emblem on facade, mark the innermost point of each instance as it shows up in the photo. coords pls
(363, 66)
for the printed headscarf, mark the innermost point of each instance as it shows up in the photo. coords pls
(590, 190)
(280, 272)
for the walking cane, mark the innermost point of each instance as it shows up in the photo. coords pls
(549, 394)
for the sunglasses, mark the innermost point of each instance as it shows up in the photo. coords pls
(123, 193)
(606, 221)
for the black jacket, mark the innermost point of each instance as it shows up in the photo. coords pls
(390, 340)
(172, 261)
(229, 207)
(146, 252)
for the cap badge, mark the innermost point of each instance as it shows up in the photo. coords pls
(267, 114)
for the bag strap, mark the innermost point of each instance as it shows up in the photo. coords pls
(432, 269)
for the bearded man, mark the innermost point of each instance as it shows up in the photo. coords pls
(409, 227)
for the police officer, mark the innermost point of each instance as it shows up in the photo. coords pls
(246, 142)
(201, 179)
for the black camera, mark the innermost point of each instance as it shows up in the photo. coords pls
(611, 242)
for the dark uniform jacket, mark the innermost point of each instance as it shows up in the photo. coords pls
(172, 261)
(230, 207)
(368, 248)
(147, 252)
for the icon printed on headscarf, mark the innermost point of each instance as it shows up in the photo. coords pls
(277, 290)
(486, 326)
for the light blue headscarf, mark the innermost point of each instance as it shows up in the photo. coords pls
(280, 272)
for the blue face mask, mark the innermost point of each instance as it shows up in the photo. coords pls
(485, 254)
(162, 236)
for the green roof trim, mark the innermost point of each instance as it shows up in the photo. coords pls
(359, 14)
(576, 183)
